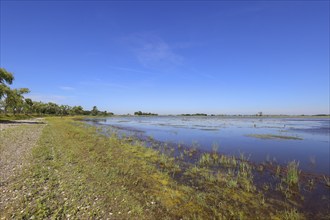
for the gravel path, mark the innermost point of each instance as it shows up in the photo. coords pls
(17, 138)
(15, 123)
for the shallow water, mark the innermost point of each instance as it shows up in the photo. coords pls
(231, 135)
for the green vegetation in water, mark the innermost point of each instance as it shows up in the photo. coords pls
(292, 176)
(327, 181)
(273, 136)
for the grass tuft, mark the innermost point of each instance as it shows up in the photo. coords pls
(292, 176)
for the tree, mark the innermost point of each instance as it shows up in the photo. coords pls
(77, 110)
(64, 110)
(94, 111)
(15, 100)
(138, 113)
(52, 108)
(28, 105)
(39, 107)
(5, 78)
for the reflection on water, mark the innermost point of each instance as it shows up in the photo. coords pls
(233, 135)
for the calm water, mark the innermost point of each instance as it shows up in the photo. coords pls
(231, 135)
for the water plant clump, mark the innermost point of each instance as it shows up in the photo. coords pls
(327, 181)
(205, 160)
(292, 176)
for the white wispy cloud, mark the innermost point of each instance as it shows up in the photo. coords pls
(152, 51)
(48, 97)
(131, 70)
(67, 88)
(99, 83)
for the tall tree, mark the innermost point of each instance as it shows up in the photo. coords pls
(94, 111)
(5, 78)
(15, 100)
(77, 110)
(28, 105)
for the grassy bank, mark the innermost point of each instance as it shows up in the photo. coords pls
(74, 172)
(14, 117)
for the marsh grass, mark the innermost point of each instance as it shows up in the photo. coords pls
(326, 181)
(292, 214)
(273, 136)
(292, 175)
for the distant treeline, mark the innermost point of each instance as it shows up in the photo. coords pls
(12, 101)
(144, 113)
(197, 114)
(39, 108)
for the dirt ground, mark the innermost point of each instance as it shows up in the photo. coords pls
(17, 138)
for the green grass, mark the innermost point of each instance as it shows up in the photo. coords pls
(292, 176)
(10, 117)
(292, 215)
(74, 172)
(273, 136)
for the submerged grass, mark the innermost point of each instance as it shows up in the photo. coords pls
(75, 172)
(273, 136)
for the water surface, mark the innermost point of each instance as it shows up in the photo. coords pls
(231, 135)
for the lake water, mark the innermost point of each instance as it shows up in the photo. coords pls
(231, 135)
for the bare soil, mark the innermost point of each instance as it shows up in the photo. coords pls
(17, 138)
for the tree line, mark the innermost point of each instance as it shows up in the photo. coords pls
(139, 113)
(197, 114)
(13, 101)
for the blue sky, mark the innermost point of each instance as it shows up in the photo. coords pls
(171, 57)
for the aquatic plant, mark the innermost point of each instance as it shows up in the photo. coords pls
(243, 157)
(192, 151)
(172, 150)
(278, 171)
(273, 136)
(192, 171)
(292, 176)
(186, 152)
(292, 214)
(266, 186)
(215, 158)
(215, 147)
(181, 156)
(232, 183)
(327, 181)
(260, 168)
(229, 161)
(205, 160)
(311, 184)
